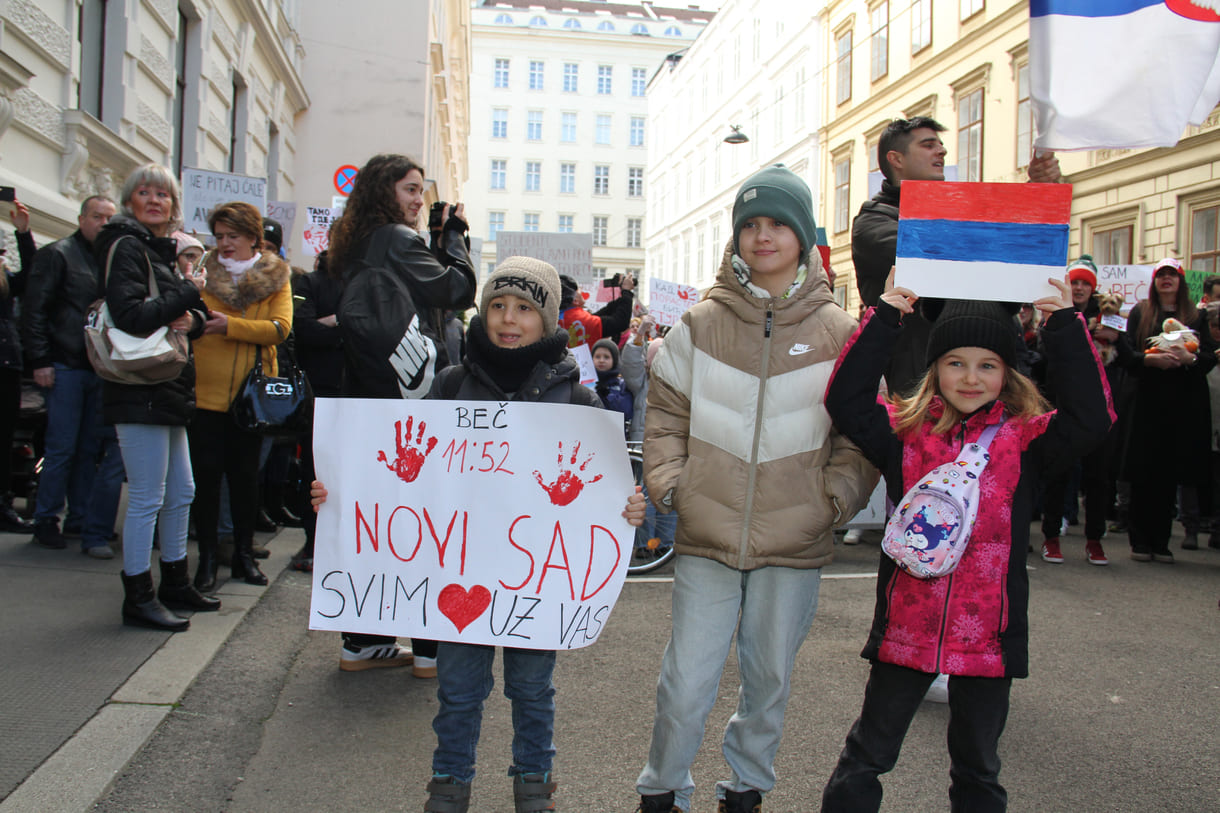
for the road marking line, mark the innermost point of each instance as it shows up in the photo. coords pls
(669, 579)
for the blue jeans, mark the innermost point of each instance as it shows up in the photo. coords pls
(159, 483)
(656, 525)
(103, 506)
(71, 453)
(771, 610)
(464, 681)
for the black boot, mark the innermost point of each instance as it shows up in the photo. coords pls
(10, 521)
(747, 801)
(205, 571)
(273, 504)
(141, 608)
(244, 566)
(263, 523)
(177, 592)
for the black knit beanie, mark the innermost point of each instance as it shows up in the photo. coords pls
(608, 345)
(967, 323)
(779, 193)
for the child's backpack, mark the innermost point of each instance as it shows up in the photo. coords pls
(928, 531)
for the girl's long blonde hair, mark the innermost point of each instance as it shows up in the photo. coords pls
(1019, 395)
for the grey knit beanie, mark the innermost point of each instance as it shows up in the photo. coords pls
(533, 280)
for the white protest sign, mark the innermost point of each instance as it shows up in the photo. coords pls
(571, 254)
(667, 301)
(1115, 320)
(584, 358)
(472, 521)
(203, 190)
(1128, 281)
(285, 211)
(315, 237)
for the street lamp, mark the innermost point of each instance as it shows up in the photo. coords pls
(736, 136)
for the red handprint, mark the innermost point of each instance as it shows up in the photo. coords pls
(567, 485)
(410, 459)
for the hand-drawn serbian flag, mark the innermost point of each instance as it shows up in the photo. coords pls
(990, 241)
(1122, 73)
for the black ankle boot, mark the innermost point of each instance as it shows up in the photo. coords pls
(264, 523)
(244, 566)
(141, 608)
(177, 592)
(205, 571)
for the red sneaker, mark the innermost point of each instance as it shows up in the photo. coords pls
(1097, 556)
(1051, 552)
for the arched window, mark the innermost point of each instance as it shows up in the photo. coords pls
(572, 23)
(639, 28)
(504, 19)
(605, 25)
(673, 31)
(539, 20)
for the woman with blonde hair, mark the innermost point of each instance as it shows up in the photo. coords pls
(249, 303)
(151, 419)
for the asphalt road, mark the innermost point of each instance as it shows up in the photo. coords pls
(1120, 713)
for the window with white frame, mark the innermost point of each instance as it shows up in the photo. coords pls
(566, 223)
(500, 74)
(605, 25)
(969, 8)
(843, 67)
(533, 125)
(499, 173)
(567, 178)
(601, 133)
(530, 221)
(499, 123)
(536, 74)
(538, 20)
(635, 182)
(572, 23)
(504, 19)
(843, 194)
(921, 25)
(970, 136)
(605, 75)
(1204, 253)
(639, 81)
(1112, 246)
(635, 230)
(640, 29)
(879, 42)
(601, 179)
(495, 223)
(533, 176)
(571, 75)
(567, 128)
(600, 229)
(1025, 118)
(637, 131)
(673, 31)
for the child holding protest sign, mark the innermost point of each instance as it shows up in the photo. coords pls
(739, 443)
(970, 623)
(514, 352)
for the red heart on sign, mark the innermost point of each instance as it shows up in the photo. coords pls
(461, 606)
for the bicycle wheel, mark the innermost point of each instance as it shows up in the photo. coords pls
(647, 554)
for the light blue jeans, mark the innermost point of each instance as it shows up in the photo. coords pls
(771, 610)
(159, 482)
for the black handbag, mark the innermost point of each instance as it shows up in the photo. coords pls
(280, 406)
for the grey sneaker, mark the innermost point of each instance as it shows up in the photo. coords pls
(447, 795)
(98, 552)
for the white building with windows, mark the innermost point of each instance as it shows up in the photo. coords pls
(756, 68)
(559, 117)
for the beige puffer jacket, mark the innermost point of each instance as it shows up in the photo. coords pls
(738, 439)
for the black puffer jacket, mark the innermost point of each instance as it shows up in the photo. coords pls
(319, 348)
(10, 335)
(543, 372)
(874, 247)
(170, 403)
(63, 283)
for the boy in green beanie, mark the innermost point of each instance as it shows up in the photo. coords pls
(738, 442)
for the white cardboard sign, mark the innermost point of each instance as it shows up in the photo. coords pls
(315, 235)
(570, 253)
(1130, 281)
(471, 521)
(203, 190)
(667, 301)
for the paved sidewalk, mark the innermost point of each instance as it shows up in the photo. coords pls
(81, 692)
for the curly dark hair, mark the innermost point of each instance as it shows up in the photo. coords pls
(371, 205)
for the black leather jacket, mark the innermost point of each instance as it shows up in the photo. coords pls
(63, 283)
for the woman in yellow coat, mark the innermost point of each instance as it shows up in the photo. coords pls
(249, 302)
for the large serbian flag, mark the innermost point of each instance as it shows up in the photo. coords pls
(992, 241)
(1122, 73)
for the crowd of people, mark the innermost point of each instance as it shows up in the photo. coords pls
(766, 416)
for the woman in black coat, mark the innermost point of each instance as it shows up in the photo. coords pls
(12, 286)
(151, 419)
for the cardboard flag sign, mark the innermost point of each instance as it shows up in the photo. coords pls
(1122, 73)
(988, 241)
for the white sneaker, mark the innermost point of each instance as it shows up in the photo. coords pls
(423, 667)
(938, 692)
(374, 656)
(1063, 528)
(852, 537)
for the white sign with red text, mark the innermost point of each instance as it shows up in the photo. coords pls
(1129, 281)
(667, 301)
(471, 521)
